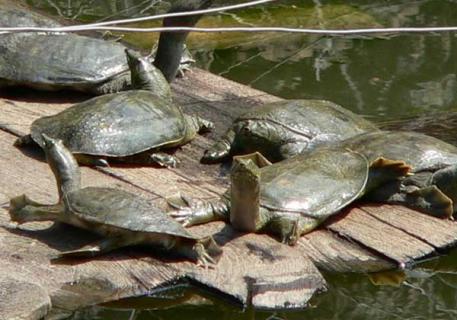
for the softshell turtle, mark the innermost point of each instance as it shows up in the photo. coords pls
(122, 217)
(286, 128)
(70, 61)
(291, 197)
(17, 16)
(123, 124)
(432, 188)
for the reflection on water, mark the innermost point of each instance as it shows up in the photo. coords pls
(384, 77)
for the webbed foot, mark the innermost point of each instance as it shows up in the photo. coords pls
(164, 160)
(109, 36)
(188, 211)
(294, 235)
(208, 252)
(87, 160)
(23, 141)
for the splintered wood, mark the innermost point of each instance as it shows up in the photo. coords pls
(254, 269)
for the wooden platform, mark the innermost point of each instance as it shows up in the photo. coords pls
(255, 269)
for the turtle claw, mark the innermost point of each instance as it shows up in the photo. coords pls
(204, 260)
(164, 160)
(101, 163)
(183, 216)
(189, 211)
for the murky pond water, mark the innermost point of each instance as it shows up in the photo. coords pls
(383, 77)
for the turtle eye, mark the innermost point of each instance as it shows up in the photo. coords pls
(247, 128)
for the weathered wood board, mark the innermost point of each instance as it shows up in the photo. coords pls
(254, 269)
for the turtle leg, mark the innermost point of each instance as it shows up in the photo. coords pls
(187, 60)
(429, 199)
(22, 209)
(206, 252)
(120, 82)
(98, 248)
(91, 161)
(24, 141)
(446, 181)
(221, 149)
(164, 159)
(190, 212)
(204, 125)
(292, 148)
(109, 36)
(290, 230)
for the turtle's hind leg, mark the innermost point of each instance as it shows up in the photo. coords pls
(25, 140)
(290, 230)
(88, 160)
(98, 248)
(22, 209)
(206, 252)
(165, 160)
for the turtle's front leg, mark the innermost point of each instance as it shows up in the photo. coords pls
(190, 212)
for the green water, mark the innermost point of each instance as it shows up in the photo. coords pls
(383, 77)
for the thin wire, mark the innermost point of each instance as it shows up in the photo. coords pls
(133, 20)
(236, 29)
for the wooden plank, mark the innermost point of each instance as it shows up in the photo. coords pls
(439, 233)
(332, 253)
(190, 178)
(15, 294)
(132, 271)
(380, 237)
(360, 241)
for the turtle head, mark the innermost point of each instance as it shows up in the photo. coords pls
(257, 135)
(245, 211)
(63, 164)
(145, 76)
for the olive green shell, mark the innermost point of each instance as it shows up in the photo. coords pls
(75, 62)
(116, 125)
(15, 16)
(313, 119)
(115, 208)
(422, 152)
(315, 185)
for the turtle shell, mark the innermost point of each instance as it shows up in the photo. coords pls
(311, 119)
(119, 124)
(121, 209)
(317, 184)
(22, 17)
(59, 61)
(420, 151)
